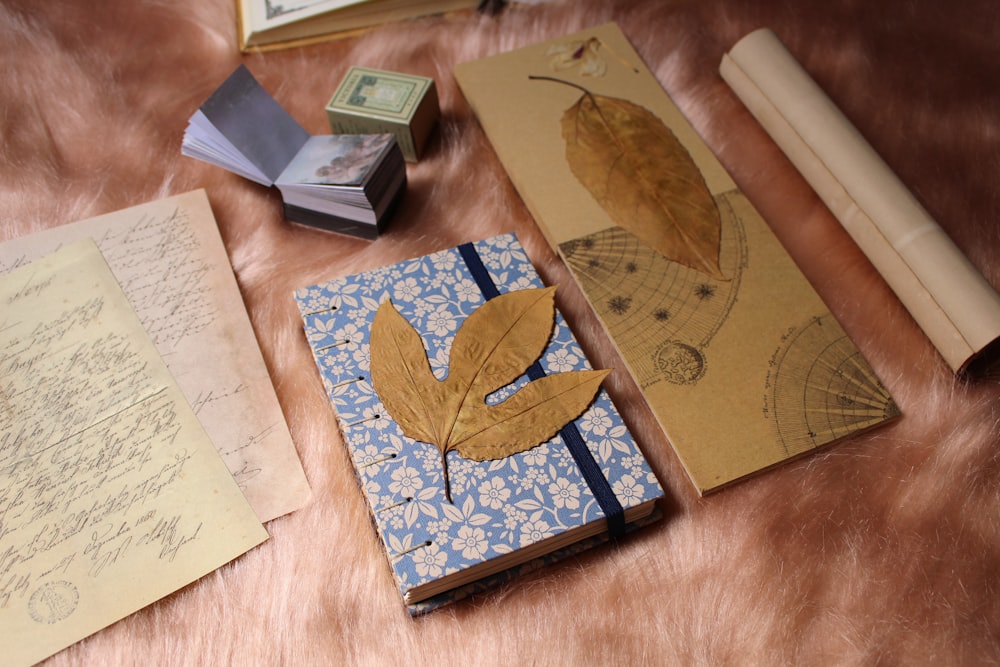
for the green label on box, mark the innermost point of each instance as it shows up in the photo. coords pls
(380, 94)
(375, 92)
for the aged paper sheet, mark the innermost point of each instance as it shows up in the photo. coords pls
(169, 259)
(956, 307)
(111, 494)
(280, 24)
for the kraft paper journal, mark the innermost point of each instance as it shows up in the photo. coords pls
(739, 359)
(111, 493)
(950, 300)
(451, 524)
(169, 258)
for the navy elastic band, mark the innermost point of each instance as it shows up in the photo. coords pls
(589, 469)
(478, 270)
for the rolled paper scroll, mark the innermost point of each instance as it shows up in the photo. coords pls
(950, 300)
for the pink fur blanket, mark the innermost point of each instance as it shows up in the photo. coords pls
(884, 549)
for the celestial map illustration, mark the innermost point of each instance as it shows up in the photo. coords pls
(822, 389)
(661, 314)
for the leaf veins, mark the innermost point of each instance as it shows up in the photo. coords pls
(643, 177)
(493, 347)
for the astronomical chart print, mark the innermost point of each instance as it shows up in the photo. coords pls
(661, 314)
(822, 389)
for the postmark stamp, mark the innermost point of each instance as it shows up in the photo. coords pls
(53, 601)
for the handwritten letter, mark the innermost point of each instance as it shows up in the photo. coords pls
(111, 493)
(169, 259)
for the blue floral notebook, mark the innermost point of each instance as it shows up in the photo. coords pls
(455, 523)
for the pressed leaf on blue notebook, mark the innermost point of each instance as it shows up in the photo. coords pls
(452, 355)
(494, 346)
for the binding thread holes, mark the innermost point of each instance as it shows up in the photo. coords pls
(395, 504)
(366, 419)
(333, 345)
(360, 378)
(320, 312)
(422, 545)
(377, 461)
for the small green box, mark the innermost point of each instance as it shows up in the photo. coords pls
(370, 101)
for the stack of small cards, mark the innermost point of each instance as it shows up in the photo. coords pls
(343, 183)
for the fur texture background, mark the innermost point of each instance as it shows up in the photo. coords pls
(884, 549)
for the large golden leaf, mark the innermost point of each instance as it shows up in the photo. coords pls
(529, 417)
(499, 340)
(399, 364)
(493, 347)
(643, 178)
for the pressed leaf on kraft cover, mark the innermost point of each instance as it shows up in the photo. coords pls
(493, 347)
(643, 178)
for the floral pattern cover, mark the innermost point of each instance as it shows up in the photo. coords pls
(499, 506)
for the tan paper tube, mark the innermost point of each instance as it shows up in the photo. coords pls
(949, 299)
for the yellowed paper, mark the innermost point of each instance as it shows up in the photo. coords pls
(265, 25)
(171, 263)
(111, 493)
(739, 359)
(950, 300)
